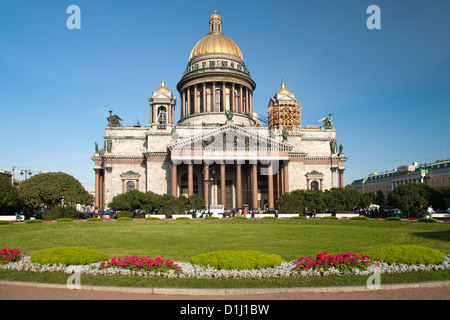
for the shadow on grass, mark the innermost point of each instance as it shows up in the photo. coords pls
(439, 235)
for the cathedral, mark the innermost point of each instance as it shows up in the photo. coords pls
(220, 149)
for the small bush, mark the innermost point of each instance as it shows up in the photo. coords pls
(55, 213)
(65, 220)
(34, 221)
(298, 217)
(237, 260)
(127, 214)
(360, 218)
(427, 220)
(70, 212)
(5, 222)
(406, 254)
(181, 218)
(94, 219)
(124, 218)
(329, 218)
(68, 256)
(393, 219)
(208, 217)
(269, 217)
(152, 218)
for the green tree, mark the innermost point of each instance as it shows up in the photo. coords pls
(174, 205)
(291, 202)
(10, 202)
(133, 201)
(195, 204)
(51, 189)
(409, 197)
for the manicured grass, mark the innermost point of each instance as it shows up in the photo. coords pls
(182, 239)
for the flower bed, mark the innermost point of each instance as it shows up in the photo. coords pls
(345, 264)
(8, 255)
(341, 262)
(135, 263)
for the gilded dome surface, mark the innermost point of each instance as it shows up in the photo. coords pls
(216, 41)
(163, 86)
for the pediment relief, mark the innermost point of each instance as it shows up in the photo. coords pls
(130, 174)
(230, 137)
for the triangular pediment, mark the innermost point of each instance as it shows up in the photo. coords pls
(230, 137)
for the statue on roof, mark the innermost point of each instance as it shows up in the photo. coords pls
(229, 115)
(327, 123)
(114, 120)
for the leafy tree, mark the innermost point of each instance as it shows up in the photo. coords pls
(51, 189)
(174, 206)
(291, 202)
(9, 197)
(195, 204)
(409, 197)
(133, 201)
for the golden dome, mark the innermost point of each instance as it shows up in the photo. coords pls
(216, 41)
(283, 89)
(215, 16)
(163, 87)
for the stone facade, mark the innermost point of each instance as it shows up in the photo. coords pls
(218, 149)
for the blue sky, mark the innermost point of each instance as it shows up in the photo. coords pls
(388, 89)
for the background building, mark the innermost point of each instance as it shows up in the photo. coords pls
(220, 149)
(434, 174)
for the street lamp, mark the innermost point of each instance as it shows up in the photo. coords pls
(26, 171)
(209, 182)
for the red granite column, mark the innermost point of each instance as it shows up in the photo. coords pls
(238, 186)
(174, 180)
(190, 179)
(270, 186)
(222, 185)
(254, 186)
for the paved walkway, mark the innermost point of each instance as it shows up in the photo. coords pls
(38, 291)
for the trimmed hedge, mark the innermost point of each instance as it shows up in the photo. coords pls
(406, 254)
(393, 219)
(427, 220)
(124, 218)
(127, 214)
(68, 256)
(237, 260)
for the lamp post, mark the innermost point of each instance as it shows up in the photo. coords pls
(26, 172)
(209, 182)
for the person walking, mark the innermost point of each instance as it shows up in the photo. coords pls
(421, 211)
(430, 211)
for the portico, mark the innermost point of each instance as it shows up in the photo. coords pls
(247, 169)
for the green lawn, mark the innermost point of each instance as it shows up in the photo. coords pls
(180, 240)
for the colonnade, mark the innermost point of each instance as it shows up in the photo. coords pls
(244, 174)
(216, 96)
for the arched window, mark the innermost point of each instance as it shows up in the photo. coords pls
(314, 185)
(162, 115)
